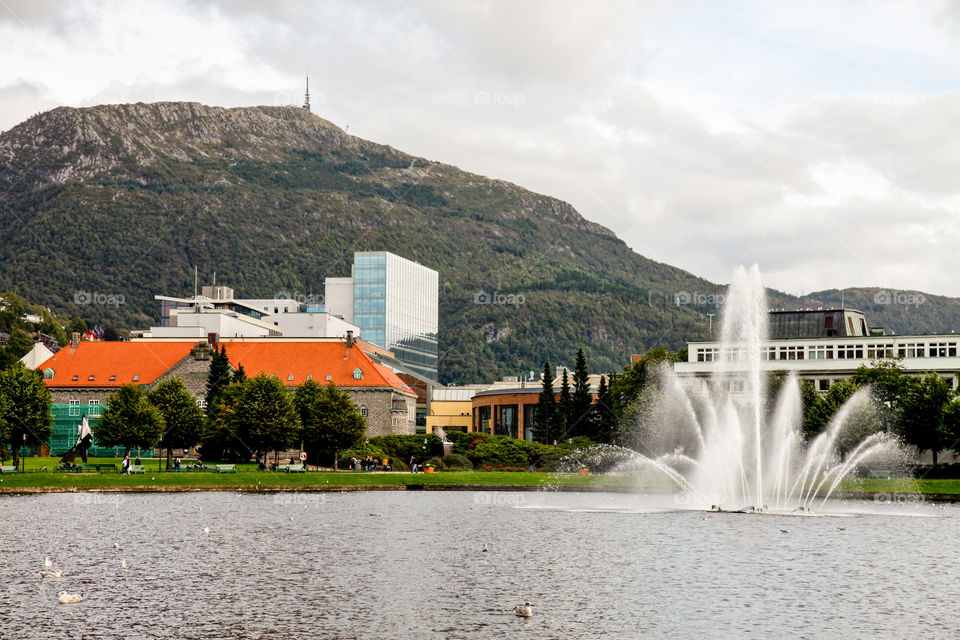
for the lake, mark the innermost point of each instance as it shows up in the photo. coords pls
(319, 565)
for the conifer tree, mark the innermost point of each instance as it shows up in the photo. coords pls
(546, 407)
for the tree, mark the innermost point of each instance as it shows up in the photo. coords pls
(130, 420)
(546, 406)
(329, 419)
(888, 382)
(950, 425)
(604, 419)
(219, 441)
(239, 375)
(19, 343)
(217, 379)
(182, 416)
(25, 416)
(581, 418)
(264, 417)
(564, 407)
(921, 413)
(825, 406)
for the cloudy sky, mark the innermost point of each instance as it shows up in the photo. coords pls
(818, 139)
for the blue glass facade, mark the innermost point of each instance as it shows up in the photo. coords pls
(395, 304)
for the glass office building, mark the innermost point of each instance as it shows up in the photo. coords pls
(395, 304)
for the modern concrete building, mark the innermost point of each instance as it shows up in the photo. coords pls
(394, 302)
(217, 311)
(827, 345)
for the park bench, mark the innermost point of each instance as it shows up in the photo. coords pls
(292, 468)
(8, 469)
(98, 468)
(226, 468)
(883, 474)
(136, 468)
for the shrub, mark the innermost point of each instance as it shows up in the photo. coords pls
(454, 462)
(434, 462)
(402, 447)
(397, 464)
(359, 453)
(461, 441)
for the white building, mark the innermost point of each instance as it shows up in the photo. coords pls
(835, 343)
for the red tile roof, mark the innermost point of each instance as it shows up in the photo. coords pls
(120, 360)
(292, 362)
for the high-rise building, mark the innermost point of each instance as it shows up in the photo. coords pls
(394, 302)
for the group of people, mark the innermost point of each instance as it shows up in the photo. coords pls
(125, 466)
(369, 463)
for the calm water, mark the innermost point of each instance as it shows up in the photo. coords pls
(594, 565)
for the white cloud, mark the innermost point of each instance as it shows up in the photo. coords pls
(817, 139)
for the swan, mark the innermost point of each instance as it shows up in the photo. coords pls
(206, 529)
(484, 548)
(124, 564)
(525, 611)
(50, 574)
(67, 598)
(47, 562)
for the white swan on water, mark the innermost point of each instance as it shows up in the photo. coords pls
(50, 574)
(47, 562)
(67, 598)
(124, 564)
(524, 611)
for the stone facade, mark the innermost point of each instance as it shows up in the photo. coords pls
(388, 413)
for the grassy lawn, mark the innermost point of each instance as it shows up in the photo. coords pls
(248, 475)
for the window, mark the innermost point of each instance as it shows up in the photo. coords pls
(879, 351)
(136, 377)
(791, 353)
(309, 376)
(113, 378)
(363, 410)
(394, 422)
(74, 378)
(48, 374)
(93, 408)
(943, 349)
(707, 354)
(202, 402)
(90, 379)
(821, 352)
(290, 378)
(823, 385)
(850, 351)
(74, 409)
(912, 350)
(358, 374)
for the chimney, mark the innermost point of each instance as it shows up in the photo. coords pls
(212, 339)
(349, 339)
(75, 339)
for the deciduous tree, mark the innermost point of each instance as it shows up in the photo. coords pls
(25, 417)
(182, 416)
(130, 420)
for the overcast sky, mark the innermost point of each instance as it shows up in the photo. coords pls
(818, 139)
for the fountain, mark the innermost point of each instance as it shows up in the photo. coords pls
(726, 443)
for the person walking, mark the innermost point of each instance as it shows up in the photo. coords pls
(125, 467)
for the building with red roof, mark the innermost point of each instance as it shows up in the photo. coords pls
(82, 375)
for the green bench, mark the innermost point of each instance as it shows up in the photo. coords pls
(226, 468)
(98, 468)
(136, 468)
(8, 470)
(292, 468)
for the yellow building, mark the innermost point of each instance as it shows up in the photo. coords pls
(452, 408)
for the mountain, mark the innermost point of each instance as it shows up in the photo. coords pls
(103, 207)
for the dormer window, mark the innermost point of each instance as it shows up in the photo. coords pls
(48, 374)
(75, 378)
(358, 374)
(309, 376)
(136, 377)
(113, 378)
(329, 377)
(90, 379)
(290, 378)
